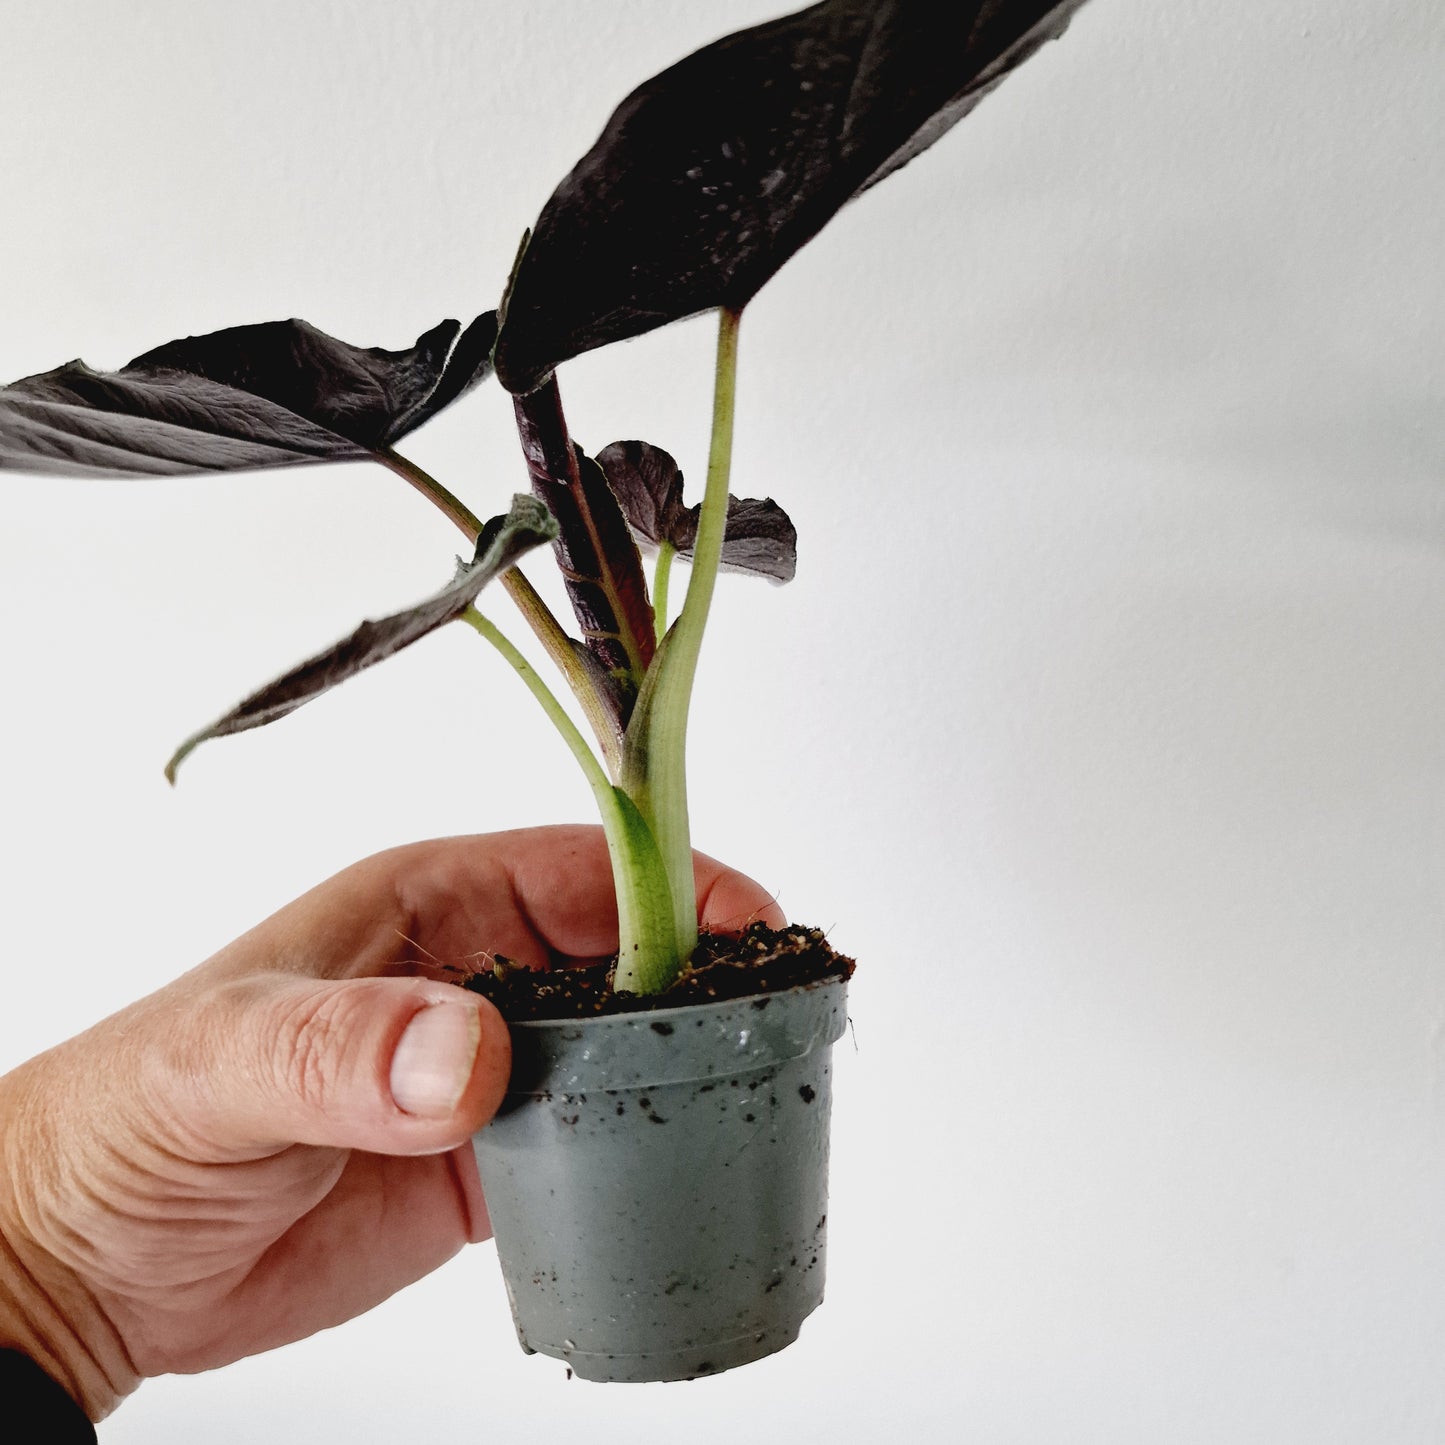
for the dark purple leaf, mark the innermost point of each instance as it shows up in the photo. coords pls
(595, 551)
(759, 537)
(710, 175)
(276, 394)
(648, 484)
(502, 542)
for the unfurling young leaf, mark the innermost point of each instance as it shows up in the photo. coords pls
(595, 551)
(759, 538)
(503, 541)
(709, 176)
(276, 394)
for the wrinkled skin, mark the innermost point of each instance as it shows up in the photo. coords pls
(225, 1167)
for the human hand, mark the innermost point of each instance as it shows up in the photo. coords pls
(279, 1139)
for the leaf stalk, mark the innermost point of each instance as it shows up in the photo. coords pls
(644, 904)
(660, 578)
(537, 615)
(654, 759)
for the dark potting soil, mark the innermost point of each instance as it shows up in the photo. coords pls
(761, 960)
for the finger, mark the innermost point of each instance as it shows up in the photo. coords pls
(558, 882)
(391, 1066)
(440, 907)
(443, 907)
(728, 901)
(548, 892)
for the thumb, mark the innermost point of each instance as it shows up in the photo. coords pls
(391, 1066)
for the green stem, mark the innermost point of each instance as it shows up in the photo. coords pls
(644, 904)
(712, 522)
(561, 720)
(665, 553)
(538, 616)
(450, 506)
(569, 663)
(654, 761)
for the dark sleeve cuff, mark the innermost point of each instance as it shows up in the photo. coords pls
(34, 1410)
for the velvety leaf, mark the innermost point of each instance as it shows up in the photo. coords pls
(595, 550)
(759, 536)
(275, 394)
(648, 484)
(710, 175)
(502, 542)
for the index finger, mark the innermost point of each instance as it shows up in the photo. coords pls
(536, 895)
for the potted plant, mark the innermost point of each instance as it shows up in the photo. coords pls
(657, 1175)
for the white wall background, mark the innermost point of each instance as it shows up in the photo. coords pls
(1105, 722)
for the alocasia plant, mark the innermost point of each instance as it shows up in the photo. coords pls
(705, 181)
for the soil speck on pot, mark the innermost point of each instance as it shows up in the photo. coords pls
(645, 1104)
(807, 1093)
(660, 1027)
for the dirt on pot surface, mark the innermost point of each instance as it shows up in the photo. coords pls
(761, 960)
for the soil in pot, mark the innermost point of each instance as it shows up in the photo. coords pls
(760, 960)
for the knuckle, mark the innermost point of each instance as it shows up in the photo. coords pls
(309, 1039)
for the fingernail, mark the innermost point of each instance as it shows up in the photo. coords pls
(433, 1060)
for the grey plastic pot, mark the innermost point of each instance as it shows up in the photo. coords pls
(658, 1182)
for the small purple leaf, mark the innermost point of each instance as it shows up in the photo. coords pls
(759, 537)
(648, 484)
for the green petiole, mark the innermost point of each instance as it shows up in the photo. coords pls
(654, 753)
(660, 577)
(644, 902)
